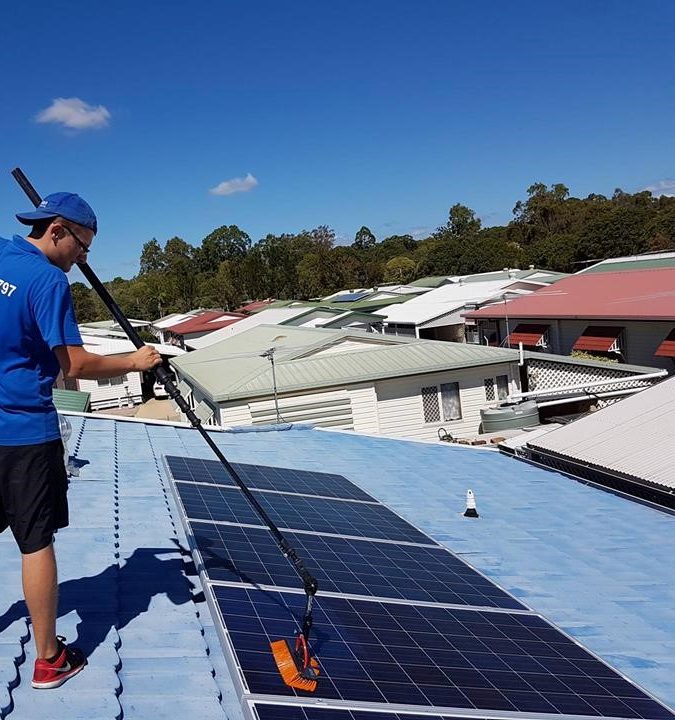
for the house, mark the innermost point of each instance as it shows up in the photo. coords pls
(160, 327)
(595, 565)
(627, 316)
(371, 383)
(184, 332)
(645, 261)
(439, 313)
(124, 390)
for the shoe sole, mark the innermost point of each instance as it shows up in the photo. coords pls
(59, 681)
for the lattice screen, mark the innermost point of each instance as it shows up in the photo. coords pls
(543, 374)
(432, 411)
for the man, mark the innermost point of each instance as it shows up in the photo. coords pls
(38, 338)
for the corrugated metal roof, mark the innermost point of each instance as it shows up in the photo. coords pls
(115, 346)
(597, 565)
(449, 298)
(72, 400)
(634, 437)
(234, 368)
(635, 294)
(632, 262)
(270, 316)
(208, 320)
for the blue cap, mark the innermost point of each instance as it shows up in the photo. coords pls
(62, 204)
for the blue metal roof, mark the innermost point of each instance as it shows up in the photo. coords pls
(598, 565)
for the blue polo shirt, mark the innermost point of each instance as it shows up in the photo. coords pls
(36, 315)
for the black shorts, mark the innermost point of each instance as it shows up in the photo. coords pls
(33, 486)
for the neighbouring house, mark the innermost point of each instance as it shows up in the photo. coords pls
(645, 261)
(160, 327)
(627, 316)
(125, 390)
(439, 313)
(183, 333)
(371, 383)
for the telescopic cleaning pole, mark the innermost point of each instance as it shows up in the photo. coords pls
(296, 666)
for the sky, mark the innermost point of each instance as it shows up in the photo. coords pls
(174, 118)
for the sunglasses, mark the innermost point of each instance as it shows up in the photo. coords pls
(83, 247)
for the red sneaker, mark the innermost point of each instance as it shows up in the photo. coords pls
(69, 662)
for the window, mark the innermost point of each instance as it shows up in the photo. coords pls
(452, 406)
(109, 382)
(502, 387)
(432, 413)
(489, 389)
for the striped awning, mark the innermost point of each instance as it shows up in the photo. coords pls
(600, 338)
(528, 334)
(667, 347)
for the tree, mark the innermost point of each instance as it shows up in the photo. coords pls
(227, 242)
(400, 269)
(462, 221)
(83, 302)
(364, 239)
(152, 257)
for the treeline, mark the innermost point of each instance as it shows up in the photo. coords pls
(549, 230)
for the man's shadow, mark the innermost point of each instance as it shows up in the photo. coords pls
(118, 595)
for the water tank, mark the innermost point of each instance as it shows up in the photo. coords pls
(509, 415)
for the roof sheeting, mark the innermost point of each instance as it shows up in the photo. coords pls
(633, 262)
(630, 295)
(72, 400)
(234, 368)
(449, 298)
(633, 437)
(272, 316)
(113, 346)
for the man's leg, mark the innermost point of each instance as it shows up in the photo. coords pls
(41, 592)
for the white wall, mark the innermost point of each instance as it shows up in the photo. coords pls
(113, 395)
(400, 410)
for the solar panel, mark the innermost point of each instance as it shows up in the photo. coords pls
(299, 712)
(232, 553)
(350, 297)
(262, 477)
(429, 656)
(341, 517)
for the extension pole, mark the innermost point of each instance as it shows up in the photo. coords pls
(310, 584)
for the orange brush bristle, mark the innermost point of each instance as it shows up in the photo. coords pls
(290, 673)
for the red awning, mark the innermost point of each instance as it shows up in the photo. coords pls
(528, 334)
(667, 347)
(600, 338)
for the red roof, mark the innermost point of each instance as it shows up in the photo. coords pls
(254, 306)
(208, 320)
(597, 337)
(528, 334)
(629, 295)
(667, 347)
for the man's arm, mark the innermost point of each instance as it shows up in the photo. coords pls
(76, 362)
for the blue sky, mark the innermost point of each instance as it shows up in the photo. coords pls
(378, 113)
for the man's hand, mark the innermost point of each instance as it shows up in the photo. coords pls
(145, 358)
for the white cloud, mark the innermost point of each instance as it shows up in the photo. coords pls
(235, 185)
(75, 114)
(662, 187)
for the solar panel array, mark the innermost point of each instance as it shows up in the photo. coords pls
(403, 628)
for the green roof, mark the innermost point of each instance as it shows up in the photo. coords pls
(630, 264)
(73, 400)
(431, 281)
(233, 368)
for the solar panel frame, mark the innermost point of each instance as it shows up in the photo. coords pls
(276, 711)
(436, 674)
(264, 477)
(430, 573)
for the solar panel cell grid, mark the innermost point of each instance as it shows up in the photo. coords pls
(202, 502)
(430, 656)
(361, 567)
(286, 712)
(265, 478)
